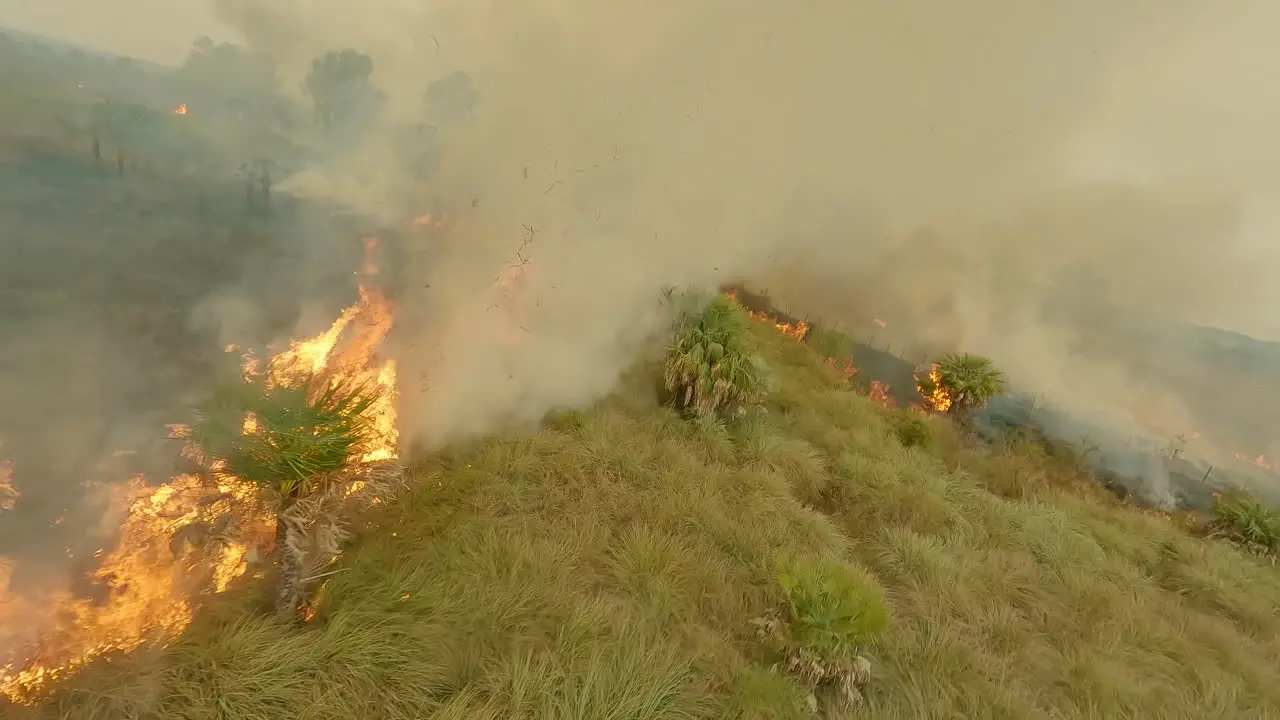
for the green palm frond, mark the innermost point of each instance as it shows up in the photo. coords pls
(283, 437)
(712, 367)
(970, 380)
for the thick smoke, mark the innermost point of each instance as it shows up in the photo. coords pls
(998, 176)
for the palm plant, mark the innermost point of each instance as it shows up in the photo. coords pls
(711, 366)
(301, 446)
(970, 381)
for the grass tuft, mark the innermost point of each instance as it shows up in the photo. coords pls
(1244, 519)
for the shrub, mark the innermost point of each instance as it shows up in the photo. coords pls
(711, 367)
(834, 610)
(1242, 518)
(912, 430)
(969, 381)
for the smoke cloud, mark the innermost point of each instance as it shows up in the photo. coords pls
(1003, 177)
(948, 169)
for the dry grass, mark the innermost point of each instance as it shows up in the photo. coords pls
(609, 567)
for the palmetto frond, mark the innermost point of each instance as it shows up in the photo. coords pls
(711, 366)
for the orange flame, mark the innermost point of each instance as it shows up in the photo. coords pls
(798, 330)
(935, 396)
(153, 582)
(181, 109)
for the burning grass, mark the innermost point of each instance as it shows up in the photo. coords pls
(611, 565)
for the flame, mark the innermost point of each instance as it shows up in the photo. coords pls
(798, 330)
(847, 368)
(879, 394)
(181, 109)
(149, 588)
(935, 396)
(151, 580)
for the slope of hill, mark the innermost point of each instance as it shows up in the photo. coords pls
(611, 565)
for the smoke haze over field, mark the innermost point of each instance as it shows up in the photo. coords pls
(942, 166)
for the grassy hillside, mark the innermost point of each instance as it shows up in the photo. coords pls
(611, 565)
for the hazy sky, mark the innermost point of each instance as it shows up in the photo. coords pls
(158, 30)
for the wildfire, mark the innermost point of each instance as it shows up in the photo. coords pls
(936, 397)
(152, 577)
(798, 329)
(181, 109)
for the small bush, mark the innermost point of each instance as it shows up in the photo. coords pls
(834, 610)
(712, 368)
(912, 430)
(1242, 518)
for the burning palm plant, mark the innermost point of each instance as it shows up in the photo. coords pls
(711, 367)
(960, 383)
(304, 447)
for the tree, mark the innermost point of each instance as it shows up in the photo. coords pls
(236, 82)
(257, 176)
(129, 127)
(450, 99)
(340, 83)
(967, 382)
(301, 446)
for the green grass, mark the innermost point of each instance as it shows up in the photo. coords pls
(611, 565)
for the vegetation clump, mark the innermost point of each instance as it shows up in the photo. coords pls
(960, 383)
(712, 368)
(1244, 519)
(833, 611)
(911, 429)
